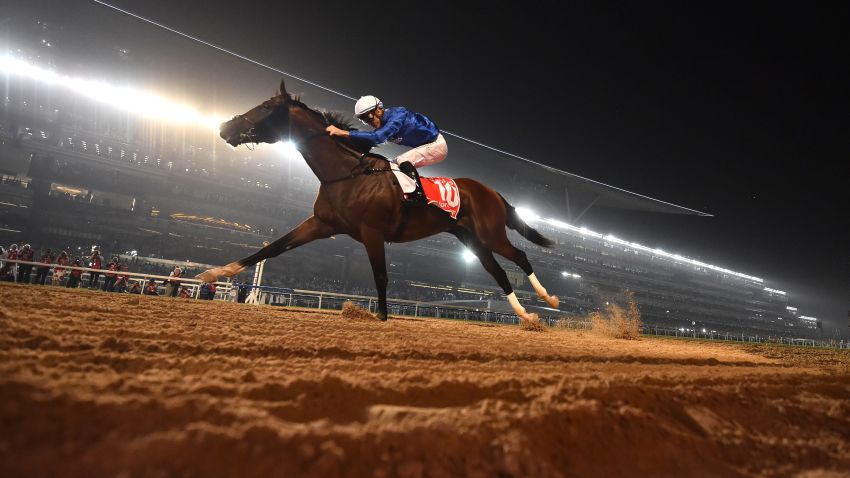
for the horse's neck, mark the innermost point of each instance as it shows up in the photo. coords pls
(328, 160)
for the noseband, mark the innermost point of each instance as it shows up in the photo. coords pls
(249, 136)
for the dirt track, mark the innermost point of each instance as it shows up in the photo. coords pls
(95, 384)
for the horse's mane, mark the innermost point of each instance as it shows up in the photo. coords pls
(337, 119)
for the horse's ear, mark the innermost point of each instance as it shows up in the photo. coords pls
(281, 90)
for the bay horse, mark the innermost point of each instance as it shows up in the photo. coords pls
(359, 196)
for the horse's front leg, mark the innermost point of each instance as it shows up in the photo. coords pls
(307, 231)
(374, 242)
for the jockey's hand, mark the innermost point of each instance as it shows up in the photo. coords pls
(334, 131)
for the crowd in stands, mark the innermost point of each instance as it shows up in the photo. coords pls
(115, 275)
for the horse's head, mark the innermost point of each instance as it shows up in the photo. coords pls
(284, 117)
(264, 123)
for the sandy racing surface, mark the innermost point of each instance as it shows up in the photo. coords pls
(95, 384)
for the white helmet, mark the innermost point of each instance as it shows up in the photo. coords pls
(366, 104)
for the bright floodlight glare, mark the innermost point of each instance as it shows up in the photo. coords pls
(527, 215)
(288, 149)
(565, 274)
(468, 256)
(135, 101)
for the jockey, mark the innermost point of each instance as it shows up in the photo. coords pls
(400, 126)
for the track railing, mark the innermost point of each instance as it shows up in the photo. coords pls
(192, 284)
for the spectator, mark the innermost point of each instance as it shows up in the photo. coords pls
(42, 271)
(136, 288)
(95, 262)
(123, 279)
(59, 272)
(184, 293)
(242, 294)
(25, 270)
(9, 270)
(110, 277)
(75, 275)
(207, 291)
(172, 285)
(151, 288)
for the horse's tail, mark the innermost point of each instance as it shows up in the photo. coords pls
(513, 221)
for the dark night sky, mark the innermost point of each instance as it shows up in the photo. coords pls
(739, 111)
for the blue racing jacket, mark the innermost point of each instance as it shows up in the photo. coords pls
(401, 126)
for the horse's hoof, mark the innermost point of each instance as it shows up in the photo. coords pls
(553, 301)
(532, 317)
(207, 276)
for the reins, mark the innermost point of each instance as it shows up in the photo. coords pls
(362, 167)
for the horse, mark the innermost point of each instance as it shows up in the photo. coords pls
(360, 197)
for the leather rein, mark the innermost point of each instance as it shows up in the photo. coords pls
(361, 168)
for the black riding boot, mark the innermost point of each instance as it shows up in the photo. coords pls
(417, 195)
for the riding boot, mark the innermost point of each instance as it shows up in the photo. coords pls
(418, 194)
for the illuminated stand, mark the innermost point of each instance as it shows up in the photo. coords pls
(254, 296)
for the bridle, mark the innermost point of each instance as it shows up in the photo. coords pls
(249, 136)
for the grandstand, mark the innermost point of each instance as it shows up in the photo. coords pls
(76, 172)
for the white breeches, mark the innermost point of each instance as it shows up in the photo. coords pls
(427, 154)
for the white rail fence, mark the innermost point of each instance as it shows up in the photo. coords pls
(192, 284)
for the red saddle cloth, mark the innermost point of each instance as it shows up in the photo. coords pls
(443, 193)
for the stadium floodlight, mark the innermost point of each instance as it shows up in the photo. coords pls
(775, 291)
(134, 101)
(288, 149)
(806, 317)
(557, 223)
(468, 256)
(527, 215)
(565, 274)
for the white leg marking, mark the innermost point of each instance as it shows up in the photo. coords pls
(518, 308)
(541, 291)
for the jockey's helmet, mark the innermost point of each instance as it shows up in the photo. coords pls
(366, 104)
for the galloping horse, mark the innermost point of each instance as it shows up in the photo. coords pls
(359, 197)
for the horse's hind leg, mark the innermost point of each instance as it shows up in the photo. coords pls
(490, 265)
(498, 242)
(518, 257)
(307, 231)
